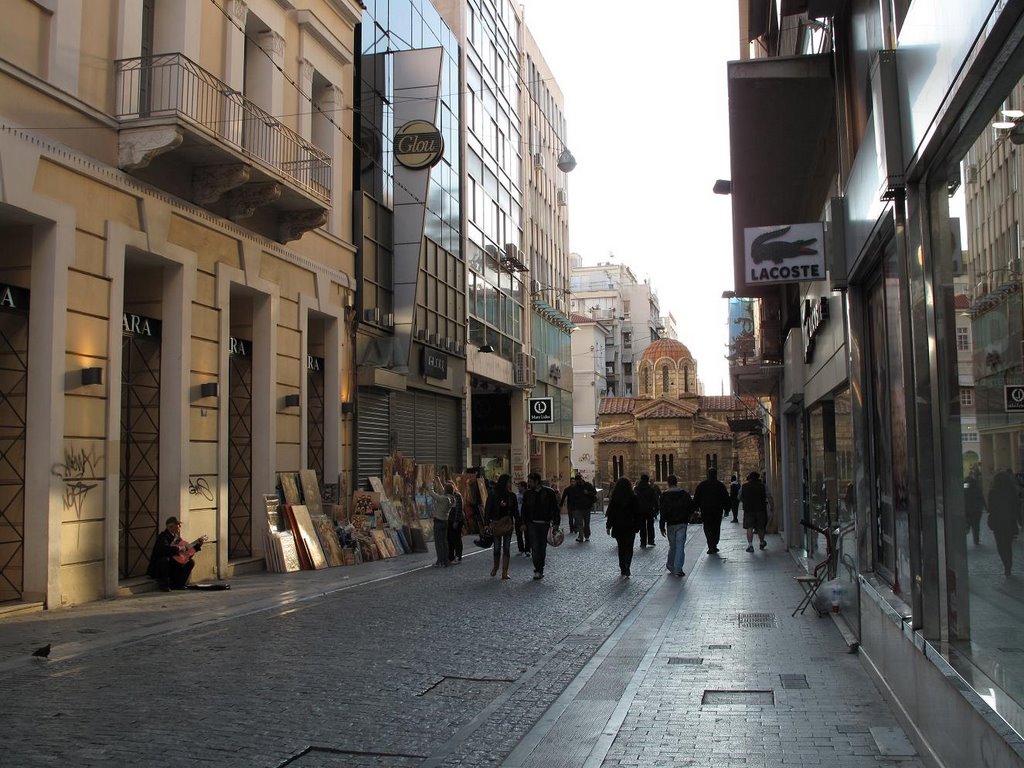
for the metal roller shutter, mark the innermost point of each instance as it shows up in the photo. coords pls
(448, 429)
(404, 425)
(426, 428)
(373, 433)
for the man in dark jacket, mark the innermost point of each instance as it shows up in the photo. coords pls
(734, 498)
(676, 508)
(712, 498)
(540, 512)
(169, 550)
(647, 503)
(754, 498)
(578, 498)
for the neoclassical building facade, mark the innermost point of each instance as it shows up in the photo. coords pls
(670, 428)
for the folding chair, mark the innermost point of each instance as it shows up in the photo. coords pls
(821, 573)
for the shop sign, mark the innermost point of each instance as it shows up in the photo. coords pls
(418, 144)
(12, 297)
(814, 316)
(240, 347)
(784, 254)
(138, 325)
(435, 364)
(1013, 398)
(314, 363)
(542, 410)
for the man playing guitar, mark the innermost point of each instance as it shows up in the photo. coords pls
(171, 562)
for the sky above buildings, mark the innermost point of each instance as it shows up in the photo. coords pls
(646, 108)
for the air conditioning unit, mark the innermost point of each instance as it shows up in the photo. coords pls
(555, 371)
(524, 371)
(512, 252)
(538, 160)
(388, 320)
(460, 348)
(562, 197)
(534, 285)
(971, 174)
(372, 315)
(435, 339)
(421, 334)
(449, 344)
(491, 249)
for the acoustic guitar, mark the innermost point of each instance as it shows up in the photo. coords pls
(190, 550)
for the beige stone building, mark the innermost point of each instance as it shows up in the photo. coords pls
(671, 429)
(177, 272)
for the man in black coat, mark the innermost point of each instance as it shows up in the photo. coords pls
(754, 498)
(540, 512)
(647, 502)
(163, 565)
(734, 498)
(712, 498)
(578, 498)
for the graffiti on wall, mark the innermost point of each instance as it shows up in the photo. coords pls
(79, 472)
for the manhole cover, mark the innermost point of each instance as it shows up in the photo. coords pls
(794, 681)
(757, 620)
(719, 647)
(685, 660)
(739, 697)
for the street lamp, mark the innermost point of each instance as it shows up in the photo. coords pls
(566, 162)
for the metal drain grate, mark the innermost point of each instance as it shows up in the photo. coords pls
(685, 660)
(719, 647)
(794, 681)
(459, 687)
(739, 697)
(758, 621)
(329, 757)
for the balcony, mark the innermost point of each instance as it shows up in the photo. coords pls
(187, 132)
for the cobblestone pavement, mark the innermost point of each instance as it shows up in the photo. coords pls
(396, 664)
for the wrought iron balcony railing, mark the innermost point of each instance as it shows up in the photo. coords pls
(153, 88)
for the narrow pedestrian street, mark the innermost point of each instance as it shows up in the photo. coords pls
(395, 663)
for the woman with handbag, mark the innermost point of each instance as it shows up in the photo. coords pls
(502, 518)
(624, 520)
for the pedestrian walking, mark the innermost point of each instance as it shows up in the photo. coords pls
(647, 503)
(578, 499)
(623, 520)
(502, 518)
(522, 540)
(456, 518)
(540, 512)
(734, 498)
(442, 505)
(676, 508)
(1004, 515)
(754, 498)
(711, 497)
(974, 502)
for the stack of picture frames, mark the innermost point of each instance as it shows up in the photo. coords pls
(316, 542)
(282, 556)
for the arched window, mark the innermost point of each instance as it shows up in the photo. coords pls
(664, 379)
(686, 378)
(646, 386)
(671, 464)
(664, 466)
(618, 465)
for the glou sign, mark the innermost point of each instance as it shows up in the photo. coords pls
(418, 145)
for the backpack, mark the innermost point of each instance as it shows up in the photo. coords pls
(456, 515)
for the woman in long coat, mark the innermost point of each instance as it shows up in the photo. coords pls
(623, 521)
(1004, 514)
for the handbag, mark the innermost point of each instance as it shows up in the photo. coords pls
(696, 518)
(502, 526)
(555, 537)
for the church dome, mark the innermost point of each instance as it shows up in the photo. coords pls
(670, 348)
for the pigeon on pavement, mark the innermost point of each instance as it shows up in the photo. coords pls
(43, 652)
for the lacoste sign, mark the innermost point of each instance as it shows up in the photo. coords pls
(418, 144)
(784, 254)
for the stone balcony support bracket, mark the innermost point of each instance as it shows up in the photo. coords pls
(210, 182)
(243, 202)
(291, 225)
(136, 147)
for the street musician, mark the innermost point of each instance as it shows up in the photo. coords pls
(171, 562)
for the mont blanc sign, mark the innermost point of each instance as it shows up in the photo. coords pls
(787, 253)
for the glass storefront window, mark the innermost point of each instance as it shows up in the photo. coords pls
(982, 429)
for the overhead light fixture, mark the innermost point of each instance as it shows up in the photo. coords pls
(1013, 114)
(486, 348)
(90, 376)
(722, 187)
(1003, 125)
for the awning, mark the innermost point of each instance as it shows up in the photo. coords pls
(782, 144)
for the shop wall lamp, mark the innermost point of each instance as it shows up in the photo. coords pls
(347, 408)
(291, 401)
(209, 389)
(486, 348)
(90, 376)
(722, 187)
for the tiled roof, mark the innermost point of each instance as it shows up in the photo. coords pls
(617, 439)
(670, 348)
(726, 402)
(961, 301)
(665, 411)
(578, 318)
(611, 406)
